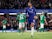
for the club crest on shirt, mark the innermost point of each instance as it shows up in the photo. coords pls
(30, 10)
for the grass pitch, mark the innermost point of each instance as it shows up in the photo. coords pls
(26, 35)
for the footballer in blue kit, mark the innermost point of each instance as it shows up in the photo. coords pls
(31, 14)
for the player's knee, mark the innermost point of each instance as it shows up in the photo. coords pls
(20, 27)
(32, 24)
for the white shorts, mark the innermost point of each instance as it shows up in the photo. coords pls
(21, 25)
(4, 26)
(41, 25)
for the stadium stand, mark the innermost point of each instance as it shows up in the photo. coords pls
(15, 6)
(18, 4)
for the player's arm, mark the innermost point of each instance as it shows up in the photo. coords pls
(25, 17)
(45, 21)
(35, 16)
(17, 18)
(2, 21)
(26, 12)
(50, 21)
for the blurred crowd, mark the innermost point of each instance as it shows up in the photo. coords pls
(13, 24)
(18, 4)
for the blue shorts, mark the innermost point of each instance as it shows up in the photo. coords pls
(31, 21)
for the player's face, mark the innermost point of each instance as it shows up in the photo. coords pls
(29, 4)
(42, 13)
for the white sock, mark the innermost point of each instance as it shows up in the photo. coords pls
(32, 31)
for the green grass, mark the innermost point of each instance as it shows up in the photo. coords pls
(26, 35)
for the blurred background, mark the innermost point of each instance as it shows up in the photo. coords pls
(15, 6)
(18, 4)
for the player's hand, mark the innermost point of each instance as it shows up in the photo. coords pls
(27, 15)
(46, 23)
(50, 21)
(25, 22)
(35, 17)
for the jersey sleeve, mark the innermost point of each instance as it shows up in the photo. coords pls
(25, 17)
(4, 21)
(34, 12)
(26, 11)
(17, 18)
(44, 17)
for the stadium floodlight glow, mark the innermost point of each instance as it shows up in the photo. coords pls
(12, 13)
(1, 13)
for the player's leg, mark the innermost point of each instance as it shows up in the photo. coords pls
(41, 27)
(4, 28)
(32, 28)
(20, 27)
(23, 25)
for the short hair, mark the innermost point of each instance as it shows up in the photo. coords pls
(30, 2)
